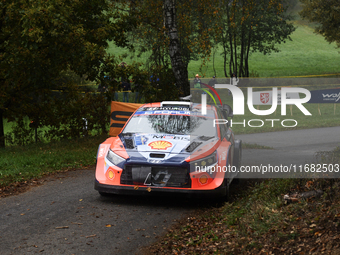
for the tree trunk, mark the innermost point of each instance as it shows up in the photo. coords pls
(229, 34)
(231, 60)
(224, 45)
(2, 131)
(178, 67)
(240, 72)
(235, 52)
(247, 55)
(225, 60)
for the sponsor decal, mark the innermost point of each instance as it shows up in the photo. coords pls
(162, 112)
(160, 145)
(102, 150)
(331, 97)
(167, 108)
(238, 100)
(110, 174)
(186, 138)
(325, 96)
(264, 97)
(224, 155)
(140, 140)
(120, 113)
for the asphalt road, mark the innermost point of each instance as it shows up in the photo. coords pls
(290, 147)
(67, 216)
(295, 147)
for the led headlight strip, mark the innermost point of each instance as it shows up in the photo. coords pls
(114, 158)
(205, 164)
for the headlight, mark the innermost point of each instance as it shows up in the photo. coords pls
(204, 164)
(114, 158)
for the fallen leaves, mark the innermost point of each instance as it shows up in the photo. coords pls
(311, 226)
(76, 223)
(62, 227)
(90, 236)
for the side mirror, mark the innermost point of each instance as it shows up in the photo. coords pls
(227, 110)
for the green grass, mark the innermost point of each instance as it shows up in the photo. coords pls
(256, 146)
(307, 54)
(21, 163)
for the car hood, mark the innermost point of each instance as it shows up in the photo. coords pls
(157, 143)
(165, 143)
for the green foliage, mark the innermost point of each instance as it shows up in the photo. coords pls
(39, 40)
(114, 70)
(162, 82)
(67, 114)
(171, 32)
(80, 115)
(21, 133)
(194, 20)
(326, 14)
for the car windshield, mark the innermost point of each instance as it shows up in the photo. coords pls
(171, 124)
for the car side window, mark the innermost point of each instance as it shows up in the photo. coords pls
(223, 127)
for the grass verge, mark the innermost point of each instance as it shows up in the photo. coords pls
(256, 146)
(19, 164)
(258, 221)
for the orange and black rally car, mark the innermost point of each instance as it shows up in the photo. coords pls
(170, 147)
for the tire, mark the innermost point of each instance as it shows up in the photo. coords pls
(103, 194)
(226, 197)
(238, 154)
(237, 161)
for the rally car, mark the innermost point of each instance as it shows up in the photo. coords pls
(170, 147)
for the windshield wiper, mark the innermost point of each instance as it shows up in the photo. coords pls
(128, 134)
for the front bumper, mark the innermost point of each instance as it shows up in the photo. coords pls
(143, 190)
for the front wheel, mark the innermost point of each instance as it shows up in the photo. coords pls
(226, 197)
(237, 160)
(237, 154)
(104, 194)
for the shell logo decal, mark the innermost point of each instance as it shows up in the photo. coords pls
(110, 174)
(160, 145)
